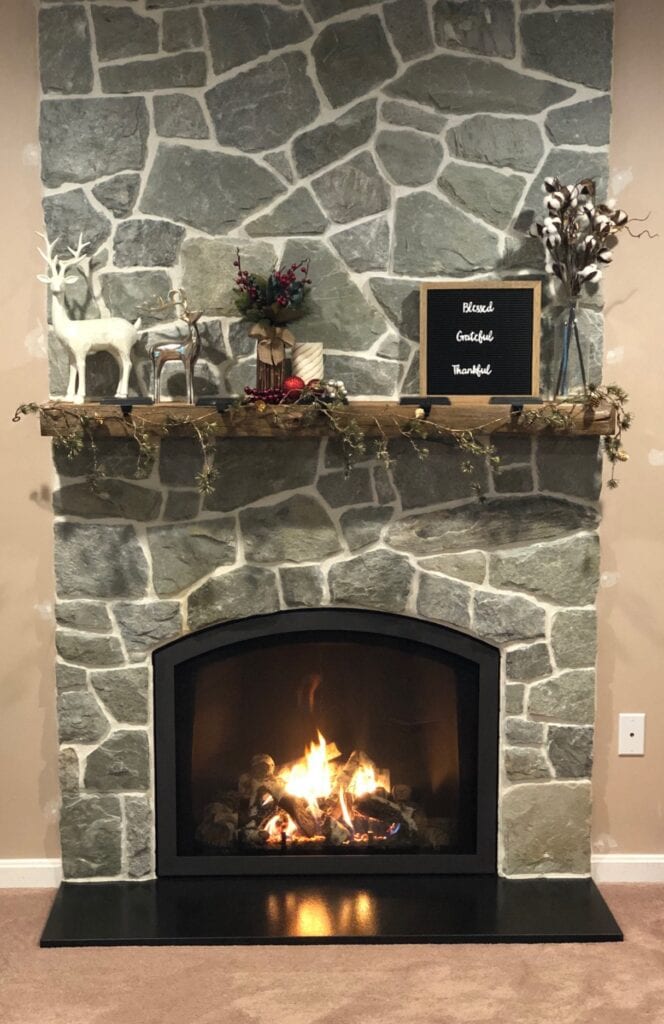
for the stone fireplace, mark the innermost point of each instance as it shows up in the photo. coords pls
(413, 148)
(284, 530)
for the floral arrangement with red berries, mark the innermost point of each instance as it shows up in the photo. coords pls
(278, 298)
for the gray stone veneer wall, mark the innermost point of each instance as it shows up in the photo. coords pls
(392, 142)
(389, 141)
(145, 561)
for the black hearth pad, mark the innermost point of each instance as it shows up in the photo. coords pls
(353, 909)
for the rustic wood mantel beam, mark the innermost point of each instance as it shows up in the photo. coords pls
(374, 418)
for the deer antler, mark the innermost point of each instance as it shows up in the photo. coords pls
(78, 255)
(178, 302)
(49, 259)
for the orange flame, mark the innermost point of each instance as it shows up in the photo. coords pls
(315, 778)
(311, 778)
(344, 809)
(280, 824)
(364, 781)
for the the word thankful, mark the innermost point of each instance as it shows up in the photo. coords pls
(474, 371)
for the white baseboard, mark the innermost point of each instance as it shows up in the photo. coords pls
(628, 867)
(30, 873)
(46, 872)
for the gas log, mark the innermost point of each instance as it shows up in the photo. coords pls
(220, 822)
(313, 800)
(335, 831)
(298, 809)
(379, 807)
(357, 760)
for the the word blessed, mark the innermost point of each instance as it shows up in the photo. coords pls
(474, 371)
(478, 307)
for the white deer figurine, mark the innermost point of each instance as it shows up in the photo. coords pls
(81, 337)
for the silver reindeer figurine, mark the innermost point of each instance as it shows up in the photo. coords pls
(185, 350)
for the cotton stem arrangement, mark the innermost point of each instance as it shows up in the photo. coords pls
(578, 234)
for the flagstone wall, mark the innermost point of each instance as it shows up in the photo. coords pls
(390, 142)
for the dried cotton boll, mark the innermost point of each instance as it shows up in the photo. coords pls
(551, 227)
(576, 234)
(590, 274)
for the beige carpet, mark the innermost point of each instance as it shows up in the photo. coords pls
(613, 983)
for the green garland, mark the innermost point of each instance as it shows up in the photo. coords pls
(561, 421)
(79, 429)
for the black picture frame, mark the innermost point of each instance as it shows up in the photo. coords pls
(498, 354)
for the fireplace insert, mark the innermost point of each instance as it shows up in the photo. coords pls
(326, 741)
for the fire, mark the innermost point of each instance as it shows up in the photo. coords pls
(364, 781)
(279, 825)
(312, 777)
(326, 799)
(322, 797)
(344, 809)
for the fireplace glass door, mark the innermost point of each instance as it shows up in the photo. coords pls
(321, 745)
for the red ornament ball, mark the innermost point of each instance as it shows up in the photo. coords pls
(293, 386)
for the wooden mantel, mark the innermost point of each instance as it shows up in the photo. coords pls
(374, 418)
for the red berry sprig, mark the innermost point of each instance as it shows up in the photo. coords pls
(271, 396)
(245, 281)
(286, 286)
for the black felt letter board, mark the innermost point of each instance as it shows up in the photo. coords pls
(480, 339)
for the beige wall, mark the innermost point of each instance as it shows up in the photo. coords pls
(629, 792)
(28, 750)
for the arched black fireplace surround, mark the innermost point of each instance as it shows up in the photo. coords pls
(414, 704)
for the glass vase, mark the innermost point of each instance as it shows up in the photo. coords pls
(571, 352)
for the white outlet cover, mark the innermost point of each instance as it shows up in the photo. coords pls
(631, 734)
